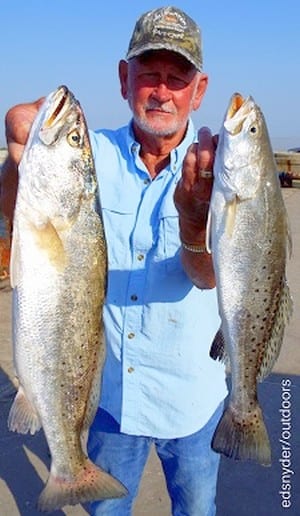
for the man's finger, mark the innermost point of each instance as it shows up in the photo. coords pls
(206, 149)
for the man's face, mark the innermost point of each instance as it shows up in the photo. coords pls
(162, 88)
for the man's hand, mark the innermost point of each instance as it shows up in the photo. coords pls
(192, 197)
(192, 194)
(18, 122)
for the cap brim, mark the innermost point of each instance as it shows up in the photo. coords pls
(163, 46)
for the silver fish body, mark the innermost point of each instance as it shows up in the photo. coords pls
(58, 273)
(249, 243)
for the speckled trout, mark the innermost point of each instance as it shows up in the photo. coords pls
(250, 241)
(58, 275)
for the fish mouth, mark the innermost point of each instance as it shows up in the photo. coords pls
(238, 111)
(236, 102)
(59, 103)
(57, 110)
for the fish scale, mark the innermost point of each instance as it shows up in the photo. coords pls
(249, 240)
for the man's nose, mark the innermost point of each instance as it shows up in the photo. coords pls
(161, 92)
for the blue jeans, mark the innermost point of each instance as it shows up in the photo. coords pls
(189, 464)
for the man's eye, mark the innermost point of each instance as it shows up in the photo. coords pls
(176, 83)
(149, 78)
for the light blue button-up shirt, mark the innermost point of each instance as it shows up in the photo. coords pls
(158, 378)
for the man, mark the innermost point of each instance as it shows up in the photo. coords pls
(159, 384)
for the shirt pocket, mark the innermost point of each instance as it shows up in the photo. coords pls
(169, 241)
(118, 218)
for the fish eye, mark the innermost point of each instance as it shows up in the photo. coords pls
(253, 129)
(74, 138)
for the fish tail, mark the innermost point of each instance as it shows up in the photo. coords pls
(92, 483)
(243, 438)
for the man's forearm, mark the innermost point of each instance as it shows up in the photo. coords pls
(196, 261)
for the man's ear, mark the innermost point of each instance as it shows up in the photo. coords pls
(201, 89)
(123, 75)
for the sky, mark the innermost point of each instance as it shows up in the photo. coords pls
(252, 47)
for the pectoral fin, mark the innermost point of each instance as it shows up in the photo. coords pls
(48, 239)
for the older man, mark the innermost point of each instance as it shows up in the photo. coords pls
(159, 384)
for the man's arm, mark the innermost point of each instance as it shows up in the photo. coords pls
(192, 197)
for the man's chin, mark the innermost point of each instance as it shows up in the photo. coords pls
(156, 128)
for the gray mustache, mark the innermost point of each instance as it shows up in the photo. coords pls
(162, 108)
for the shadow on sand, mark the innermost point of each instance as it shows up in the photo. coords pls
(246, 488)
(16, 470)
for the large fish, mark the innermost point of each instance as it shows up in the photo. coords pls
(249, 242)
(58, 274)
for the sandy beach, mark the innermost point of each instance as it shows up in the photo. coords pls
(24, 459)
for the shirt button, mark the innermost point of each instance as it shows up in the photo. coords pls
(131, 335)
(133, 297)
(140, 257)
(130, 369)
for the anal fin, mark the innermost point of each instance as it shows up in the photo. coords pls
(22, 416)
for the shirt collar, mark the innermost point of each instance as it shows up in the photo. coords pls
(177, 154)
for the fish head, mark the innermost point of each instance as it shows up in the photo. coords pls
(244, 149)
(57, 159)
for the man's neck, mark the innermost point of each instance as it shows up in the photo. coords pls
(155, 150)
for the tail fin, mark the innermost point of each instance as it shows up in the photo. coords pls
(91, 484)
(243, 438)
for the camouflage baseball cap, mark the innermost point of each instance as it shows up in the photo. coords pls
(167, 28)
